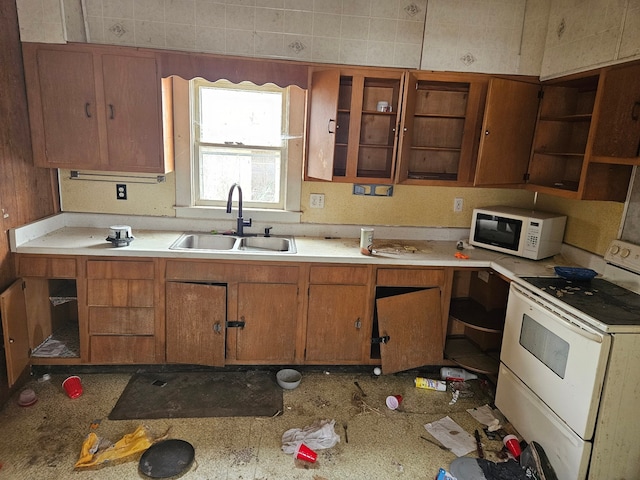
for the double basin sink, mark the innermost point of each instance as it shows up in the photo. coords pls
(231, 243)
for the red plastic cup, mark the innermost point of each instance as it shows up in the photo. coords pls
(513, 445)
(394, 401)
(305, 453)
(73, 386)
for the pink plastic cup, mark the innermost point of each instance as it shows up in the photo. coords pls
(73, 386)
(393, 401)
(305, 453)
(513, 445)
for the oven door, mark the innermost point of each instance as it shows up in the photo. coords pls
(561, 359)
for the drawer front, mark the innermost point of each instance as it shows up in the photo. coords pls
(230, 272)
(121, 321)
(109, 349)
(410, 277)
(328, 275)
(132, 270)
(120, 293)
(51, 267)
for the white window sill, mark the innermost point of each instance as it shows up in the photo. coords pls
(257, 215)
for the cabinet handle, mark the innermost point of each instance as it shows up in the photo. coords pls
(112, 112)
(87, 112)
(486, 132)
(329, 125)
(217, 328)
(358, 324)
(11, 340)
(635, 111)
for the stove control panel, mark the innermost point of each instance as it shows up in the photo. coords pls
(624, 254)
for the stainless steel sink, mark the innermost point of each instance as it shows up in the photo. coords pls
(204, 241)
(272, 244)
(231, 243)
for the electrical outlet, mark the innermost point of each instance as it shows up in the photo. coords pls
(121, 191)
(316, 200)
(457, 204)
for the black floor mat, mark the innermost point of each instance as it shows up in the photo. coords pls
(199, 394)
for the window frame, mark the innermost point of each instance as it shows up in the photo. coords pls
(186, 206)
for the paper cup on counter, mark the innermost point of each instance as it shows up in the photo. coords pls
(366, 241)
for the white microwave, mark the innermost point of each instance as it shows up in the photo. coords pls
(520, 232)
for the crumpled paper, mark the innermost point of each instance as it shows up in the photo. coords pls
(319, 435)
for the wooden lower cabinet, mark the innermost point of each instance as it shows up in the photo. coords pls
(236, 313)
(123, 323)
(195, 320)
(338, 314)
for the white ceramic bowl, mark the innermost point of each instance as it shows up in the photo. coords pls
(288, 378)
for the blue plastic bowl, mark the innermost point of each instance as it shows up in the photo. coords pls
(575, 273)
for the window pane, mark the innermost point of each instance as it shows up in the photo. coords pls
(257, 172)
(240, 117)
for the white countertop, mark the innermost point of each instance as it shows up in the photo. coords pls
(58, 236)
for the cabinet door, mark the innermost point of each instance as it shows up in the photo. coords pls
(617, 132)
(195, 322)
(269, 312)
(133, 116)
(412, 321)
(13, 310)
(66, 134)
(335, 318)
(507, 132)
(323, 112)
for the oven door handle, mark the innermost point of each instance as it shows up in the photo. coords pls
(567, 322)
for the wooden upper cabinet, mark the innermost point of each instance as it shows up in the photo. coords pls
(617, 127)
(97, 108)
(351, 138)
(442, 114)
(507, 132)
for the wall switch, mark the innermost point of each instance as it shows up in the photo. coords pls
(457, 204)
(121, 191)
(316, 200)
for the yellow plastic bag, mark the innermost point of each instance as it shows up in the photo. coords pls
(131, 444)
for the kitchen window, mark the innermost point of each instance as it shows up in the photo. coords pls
(239, 133)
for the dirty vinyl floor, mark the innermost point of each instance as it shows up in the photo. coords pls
(43, 441)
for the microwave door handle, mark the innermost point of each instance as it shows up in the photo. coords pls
(568, 323)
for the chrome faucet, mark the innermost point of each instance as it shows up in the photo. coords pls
(241, 222)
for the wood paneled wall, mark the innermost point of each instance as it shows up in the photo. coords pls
(27, 193)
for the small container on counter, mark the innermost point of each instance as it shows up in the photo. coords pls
(366, 241)
(430, 384)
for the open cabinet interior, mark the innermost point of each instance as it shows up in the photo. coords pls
(476, 320)
(52, 316)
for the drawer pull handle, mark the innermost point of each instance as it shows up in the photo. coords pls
(87, 112)
(358, 324)
(384, 339)
(217, 328)
(329, 126)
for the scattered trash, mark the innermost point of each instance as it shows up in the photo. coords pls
(377, 371)
(430, 384)
(360, 388)
(393, 401)
(73, 386)
(452, 435)
(346, 436)
(95, 424)
(439, 445)
(461, 255)
(44, 378)
(96, 452)
(166, 459)
(444, 475)
(302, 452)
(27, 398)
(488, 416)
(513, 445)
(479, 448)
(319, 435)
(456, 374)
(454, 398)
